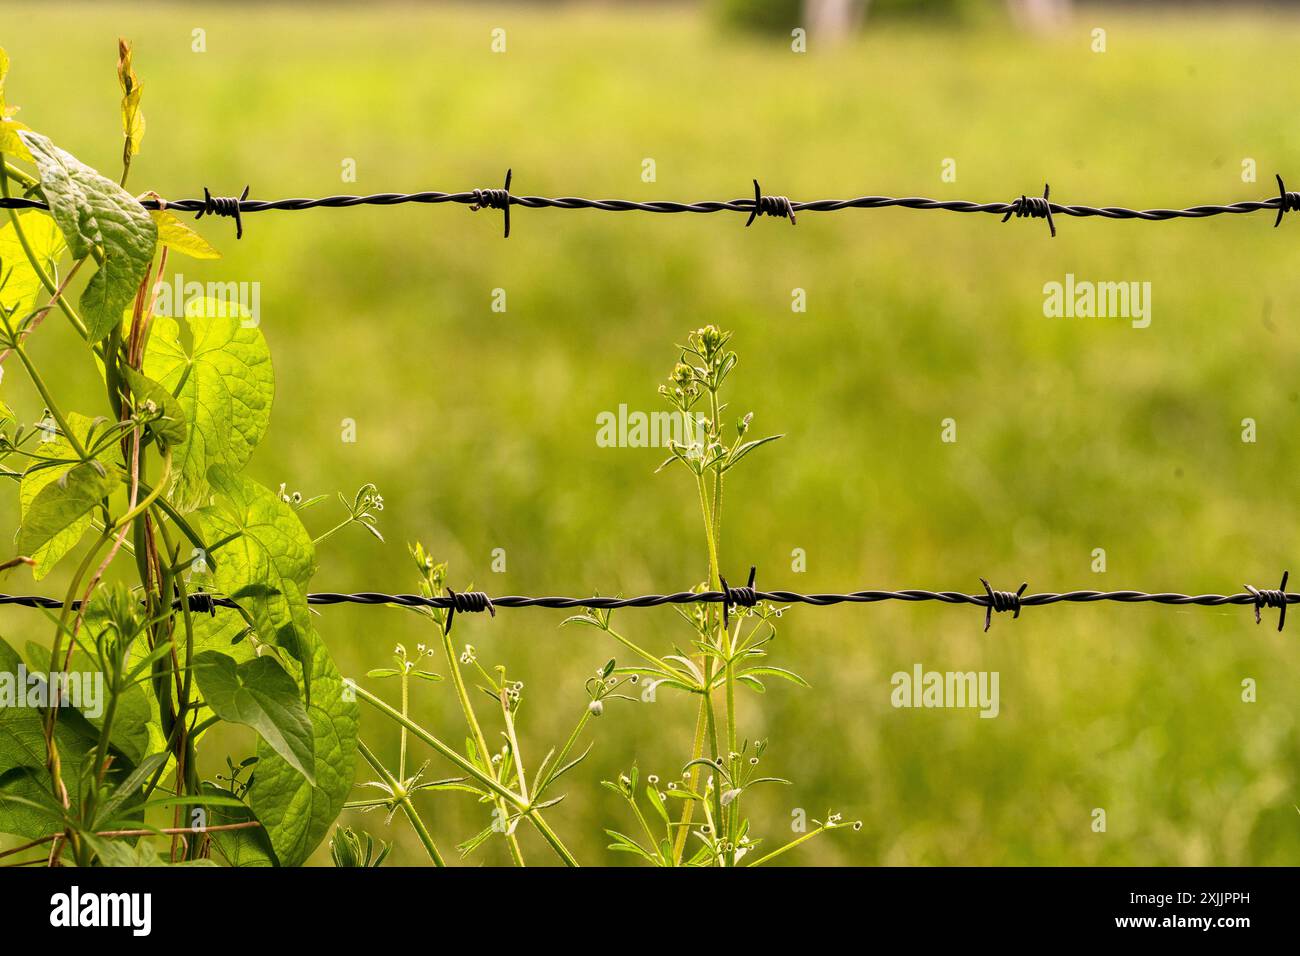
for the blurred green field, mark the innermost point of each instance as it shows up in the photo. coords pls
(479, 427)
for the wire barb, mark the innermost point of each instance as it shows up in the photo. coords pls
(1034, 207)
(1001, 601)
(733, 597)
(229, 206)
(201, 602)
(1265, 597)
(467, 602)
(495, 199)
(777, 206)
(1286, 202)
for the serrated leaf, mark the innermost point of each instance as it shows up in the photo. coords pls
(225, 385)
(96, 213)
(259, 694)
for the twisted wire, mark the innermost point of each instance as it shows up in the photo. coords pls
(991, 600)
(1033, 207)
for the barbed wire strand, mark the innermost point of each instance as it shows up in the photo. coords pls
(468, 602)
(1031, 207)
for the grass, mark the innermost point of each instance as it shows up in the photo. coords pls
(478, 427)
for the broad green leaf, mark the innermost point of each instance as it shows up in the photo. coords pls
(225, 386)
(34, 482)
(170, 425)
(247, 847)
(96, 213)
(297, 815)
(137, 730)
(141, 853)
(259, 694)
(23, 757)
(22, 288)
(174, 233)
(61, 509)
(268, 564)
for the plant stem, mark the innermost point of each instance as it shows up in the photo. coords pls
(420, 733)
(404, 801)
(476, 734)
(789, 846)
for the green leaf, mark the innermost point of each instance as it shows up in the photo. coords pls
(129, 788)
(96, 214)
(247, 847)
(22, 287)
(770, 670)
(268, 565)
(225, 386)
(142, 853)
(176, 235)
(61, 509)
(23, 776)
(9, 141)
(170, 426)
(132, 88)
(746, 448)
(657, 802)
(259, 694)
(35, 481)
(295, 814)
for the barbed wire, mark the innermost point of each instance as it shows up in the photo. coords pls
(1031, 207)
(749, 596)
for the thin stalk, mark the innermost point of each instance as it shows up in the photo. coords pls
(404, 801)
(476, 733)
(789, 846)
(534, 817)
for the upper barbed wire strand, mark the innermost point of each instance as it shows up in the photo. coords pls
(1280, 204)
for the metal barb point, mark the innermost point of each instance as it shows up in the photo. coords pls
(1286, 202)
(745, 597)
(778, 206)
(467, 602)
(1265, 597)
(1034, 207)
(229, 206)
(1001, 601)
(495, 199)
